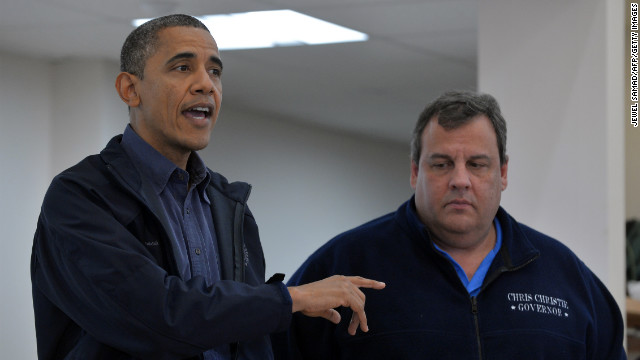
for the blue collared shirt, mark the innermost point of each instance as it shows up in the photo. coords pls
(187, 208)
(473, 286)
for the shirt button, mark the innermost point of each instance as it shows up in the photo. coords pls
(198, 251)
(188, 211)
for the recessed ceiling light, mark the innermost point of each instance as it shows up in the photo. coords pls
(264, 29)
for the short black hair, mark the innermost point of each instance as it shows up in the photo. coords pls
(141, 43)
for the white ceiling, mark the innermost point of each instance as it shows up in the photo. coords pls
(416, 50)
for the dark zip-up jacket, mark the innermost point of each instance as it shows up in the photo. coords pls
(105, 283)
(538, 300)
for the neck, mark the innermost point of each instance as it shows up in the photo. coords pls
(180, 159)
(178, 156)
(468, 251)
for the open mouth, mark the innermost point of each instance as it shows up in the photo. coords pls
(198, 112)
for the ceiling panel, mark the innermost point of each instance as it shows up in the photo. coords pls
(416, 50)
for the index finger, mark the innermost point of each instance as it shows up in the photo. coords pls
(359, 281)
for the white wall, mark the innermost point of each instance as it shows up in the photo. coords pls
(309, 184)
(86, 109)
(25, 121)
(555, 67)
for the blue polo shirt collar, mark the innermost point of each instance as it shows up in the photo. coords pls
(474, 284)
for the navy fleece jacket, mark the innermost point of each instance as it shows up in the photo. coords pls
(538, 300)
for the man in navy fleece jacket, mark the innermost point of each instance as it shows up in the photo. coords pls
(464, 279)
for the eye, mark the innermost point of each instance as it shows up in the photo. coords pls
(182, 68)
(440, 165)
(477, 165)
(215, 72)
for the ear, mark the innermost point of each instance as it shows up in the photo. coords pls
(414, 174)
(126, 87)
(503, 172)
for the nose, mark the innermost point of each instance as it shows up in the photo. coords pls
(459, 178)
(202, 83)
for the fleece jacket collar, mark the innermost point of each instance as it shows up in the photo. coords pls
(516, 251)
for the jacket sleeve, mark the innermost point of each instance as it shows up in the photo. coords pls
(307, 338)
(605, 338)
(94, 270)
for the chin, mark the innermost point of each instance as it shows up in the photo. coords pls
(199, 146)
(197, 143)
(460, 226)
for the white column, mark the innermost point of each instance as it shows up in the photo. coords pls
(555, 68)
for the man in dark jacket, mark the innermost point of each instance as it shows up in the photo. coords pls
(142, 252)
(466, 280)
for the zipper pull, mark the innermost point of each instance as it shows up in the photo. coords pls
(474, 305)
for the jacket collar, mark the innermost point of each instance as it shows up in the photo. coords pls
(121, 166)
(516, 251)
(229, 200)
(117, 161)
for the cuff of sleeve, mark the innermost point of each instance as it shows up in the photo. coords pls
(277, 277)
(287, 306)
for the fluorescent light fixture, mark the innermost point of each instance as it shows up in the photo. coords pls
(264, 29)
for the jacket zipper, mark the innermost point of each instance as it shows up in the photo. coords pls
(246, 197)
(474, 300)
(504, 269)
(474, 308)
(474, 311)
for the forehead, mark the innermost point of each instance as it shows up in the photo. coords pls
(477, 136)
(179, 39)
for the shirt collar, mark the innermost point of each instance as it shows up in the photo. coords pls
(157, 168)
(199, 174)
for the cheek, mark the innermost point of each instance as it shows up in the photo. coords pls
(217, 96)
(431, 188)
(490, 189)
(434, 183)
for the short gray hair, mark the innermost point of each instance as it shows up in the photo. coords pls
(454, 109)
(141, 43)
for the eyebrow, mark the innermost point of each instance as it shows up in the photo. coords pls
(189, 55)
(473, 157)
(439, 156)
(480, 157)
